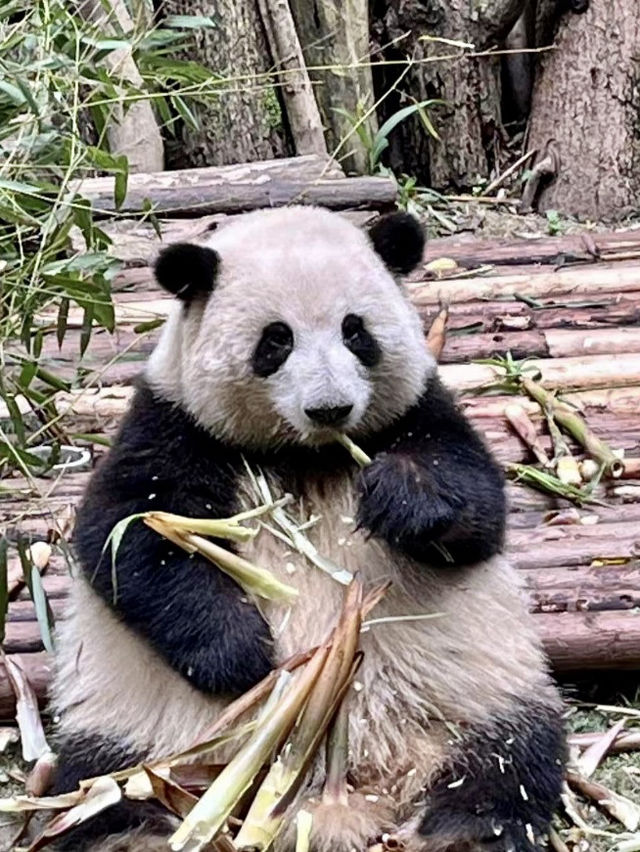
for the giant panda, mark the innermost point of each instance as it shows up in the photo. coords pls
(287, 326)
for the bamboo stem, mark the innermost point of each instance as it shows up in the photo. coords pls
(266, 815)
(575, 425)
(212, 810)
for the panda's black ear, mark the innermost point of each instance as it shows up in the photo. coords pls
(399, 240)
(187, 270)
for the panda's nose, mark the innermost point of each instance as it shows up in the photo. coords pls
(328, 415)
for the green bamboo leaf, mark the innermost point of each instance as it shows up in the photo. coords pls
(28, 96)
(16, 418)
(184, 112)
(61, 322)
(380, 141)
(27, 374)
(43, 611)
(114, 540)
(12, 92)
(87, 327)
(121, 181)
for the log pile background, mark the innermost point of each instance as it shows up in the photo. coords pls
(570, 303)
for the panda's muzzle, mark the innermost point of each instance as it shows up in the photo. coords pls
(329, 415)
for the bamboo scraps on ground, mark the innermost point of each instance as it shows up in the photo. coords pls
(575, 425)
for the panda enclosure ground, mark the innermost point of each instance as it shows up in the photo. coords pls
(572, 304)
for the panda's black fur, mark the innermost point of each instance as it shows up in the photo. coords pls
(433, 493)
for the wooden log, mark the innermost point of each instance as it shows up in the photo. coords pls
(554, 343)
(602, 280)
(610, 401)
(572, 552)
(574, 641)
(567, 343)
(577, 641)
(562, 311)
(469, 252)
(217, 190)
(578, 373)
(613, 587)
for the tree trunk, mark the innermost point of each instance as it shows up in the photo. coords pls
(469, 125)
(334, 38)
(245, 121)
(585, 104)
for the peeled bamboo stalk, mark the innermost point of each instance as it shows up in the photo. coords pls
(212, 810)
(625, 740)
(266, 815)
(576, 426)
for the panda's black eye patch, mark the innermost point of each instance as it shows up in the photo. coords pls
(358, 340)
(273, 349)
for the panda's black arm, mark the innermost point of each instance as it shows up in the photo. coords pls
(433, 489)
(195, 616)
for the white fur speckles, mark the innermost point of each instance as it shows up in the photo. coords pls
(311, 282)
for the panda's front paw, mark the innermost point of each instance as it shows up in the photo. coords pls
(404, 504)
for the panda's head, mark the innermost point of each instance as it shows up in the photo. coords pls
(290, 324)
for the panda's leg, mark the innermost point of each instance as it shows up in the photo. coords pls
(125, 827)
(498, 789)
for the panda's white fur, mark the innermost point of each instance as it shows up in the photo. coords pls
(420, 679)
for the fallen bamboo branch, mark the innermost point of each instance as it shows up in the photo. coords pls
(574, 424)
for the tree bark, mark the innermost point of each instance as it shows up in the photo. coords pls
(585, 103)
(245, 121)
(334, 38)
(469, 125)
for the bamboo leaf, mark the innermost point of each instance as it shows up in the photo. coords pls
(121, 181)
(43, 610)
(87, 325)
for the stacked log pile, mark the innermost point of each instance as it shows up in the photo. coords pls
(571, 304)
